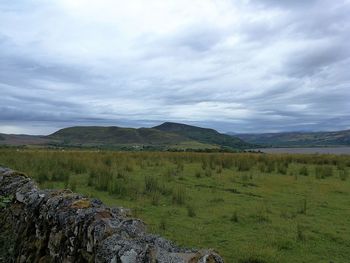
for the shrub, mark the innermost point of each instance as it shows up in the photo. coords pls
(164, 189)
(179, 195)
(217, 200)
(208, 173)
(162, 224)
(190, 211)
(129, 167)
(171, 173)
(270, 166)
(262, 167)
(282, 168)
(103, 179)
(151, 184)
(117, 187)
(91, 179)
(243, 165)
(328, 171)
(58, 175)
(66, 180)
(73, 185)
(227, 163)
(108, 161)
(204, 165)
(155, 198)
(133, 190)
(303, 171)
(42, 177)
(245, 179)
(121, 175)
(77, 167)
(300, 233)
(343, 175)
(303, 207)
(180, 167)
(234, 217)
(322, 172)
(5, 201)
(261, 216)
(252, 259)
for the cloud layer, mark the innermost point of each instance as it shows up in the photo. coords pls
(241, 66)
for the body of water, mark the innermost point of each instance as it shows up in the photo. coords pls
(320, 150)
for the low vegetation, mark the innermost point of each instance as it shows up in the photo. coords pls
(249, 207)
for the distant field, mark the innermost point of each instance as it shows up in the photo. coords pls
(249, 207)
(319, 150)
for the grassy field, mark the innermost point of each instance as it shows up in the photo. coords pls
(249, 207)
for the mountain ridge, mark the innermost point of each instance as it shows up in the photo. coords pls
(204, 135)
(114, 134)
(298, 139)
(178, 136)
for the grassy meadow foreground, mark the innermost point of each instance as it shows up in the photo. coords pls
(248, 207)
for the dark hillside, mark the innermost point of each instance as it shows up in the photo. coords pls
(203, 135)
(17, 140)
(115, 135)
(299, 139)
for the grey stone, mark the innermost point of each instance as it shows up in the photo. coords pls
(61, 226)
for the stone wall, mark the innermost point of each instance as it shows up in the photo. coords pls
(61, 226)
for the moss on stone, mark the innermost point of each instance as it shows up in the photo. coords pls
(82, 203)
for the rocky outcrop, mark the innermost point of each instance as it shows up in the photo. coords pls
(61, 226)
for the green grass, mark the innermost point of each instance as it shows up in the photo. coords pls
(248, 207)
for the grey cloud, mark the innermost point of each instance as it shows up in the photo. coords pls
(311, 59)
(324, 21)
(198, 38)
(189, 42)
(17, 114)
(284, 64)
(19, 70)
(286, 3)
(302, 124)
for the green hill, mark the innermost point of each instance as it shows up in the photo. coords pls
(94, 135)
(162, 137)
(299, 139)
(203, 135)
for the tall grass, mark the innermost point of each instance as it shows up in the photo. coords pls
(219, 200)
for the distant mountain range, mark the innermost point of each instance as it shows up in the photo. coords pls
(298, 139)
(165, 136)
(14, 139)
(178, 136)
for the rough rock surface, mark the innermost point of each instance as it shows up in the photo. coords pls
(61, 226)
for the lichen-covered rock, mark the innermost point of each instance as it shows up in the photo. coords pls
(61, 226)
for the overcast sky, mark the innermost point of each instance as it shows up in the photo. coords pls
(239, 66)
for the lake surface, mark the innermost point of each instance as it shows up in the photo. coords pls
(320, 150)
